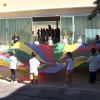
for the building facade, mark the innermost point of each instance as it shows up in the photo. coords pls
(70, 17)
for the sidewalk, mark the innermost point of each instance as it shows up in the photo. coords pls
(9, 91)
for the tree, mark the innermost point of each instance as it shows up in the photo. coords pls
(95, 11)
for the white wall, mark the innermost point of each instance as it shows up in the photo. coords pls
(26, 4)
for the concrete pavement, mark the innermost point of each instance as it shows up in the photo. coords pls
(10, 91)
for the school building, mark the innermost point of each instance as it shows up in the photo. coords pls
(27, 16)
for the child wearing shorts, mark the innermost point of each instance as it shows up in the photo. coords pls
(13, 66)
(98, 67)
(70, 68)
(34, 65)
(93, 62)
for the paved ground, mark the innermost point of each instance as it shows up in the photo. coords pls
(9, 91)
(50, 87)
(80, 78)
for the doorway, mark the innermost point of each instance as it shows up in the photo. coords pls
(60, 25)
(44, 27)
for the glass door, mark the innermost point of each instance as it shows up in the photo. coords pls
(67, 28)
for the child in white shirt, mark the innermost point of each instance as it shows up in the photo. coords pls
(50, 42)
(13, 66)
(70, 69)
(36, 41)
(93, 62)
(1, 48)
(34, 65)
(64, 40)
(79, 39)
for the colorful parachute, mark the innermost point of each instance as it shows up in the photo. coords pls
(52, 58)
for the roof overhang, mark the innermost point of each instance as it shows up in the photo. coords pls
(48, 8)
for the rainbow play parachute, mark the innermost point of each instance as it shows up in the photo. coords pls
(52, 58)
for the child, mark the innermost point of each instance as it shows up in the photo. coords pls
(50, 42)
(93, 61)
(64, 40)
(13, 65)
(36, 41)
(79, 39)
(1, 48)
(98, 67)
(34, 65)
(70, 69)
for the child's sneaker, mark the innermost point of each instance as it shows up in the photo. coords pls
(66, 85)
(11, 81)
(15, 81)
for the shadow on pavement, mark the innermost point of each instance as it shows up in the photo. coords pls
(18, 91)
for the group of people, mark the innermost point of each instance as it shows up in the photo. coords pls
(49, 42)
(95, 41)
(33, 62)
(49, 38)
(65, 41)
(94, 67)
(43, 34)
(94, 62)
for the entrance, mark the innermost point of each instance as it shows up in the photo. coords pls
(44, 27)
(58, 25)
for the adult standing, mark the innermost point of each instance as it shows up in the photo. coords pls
(96, 41)
(41, 33)
(47, 35)
(15, 38)
(38, 32)
(52, 34)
